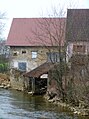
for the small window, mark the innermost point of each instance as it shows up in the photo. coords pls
(23, 51)
(34, 54)
(79, 48)
(15, 53)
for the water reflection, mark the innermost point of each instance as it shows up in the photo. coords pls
(17, 105)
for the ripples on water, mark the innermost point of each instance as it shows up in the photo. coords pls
(17, 105)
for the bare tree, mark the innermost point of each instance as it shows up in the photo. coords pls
(53, 29)
(51, 33)
(2, 24)
(3, 48)
(77, 36)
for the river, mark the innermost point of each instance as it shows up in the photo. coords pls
(18, 105)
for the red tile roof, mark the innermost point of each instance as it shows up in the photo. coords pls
(23, 31)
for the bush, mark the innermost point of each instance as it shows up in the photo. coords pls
(3, 67)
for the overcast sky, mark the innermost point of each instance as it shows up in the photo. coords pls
(35, 8)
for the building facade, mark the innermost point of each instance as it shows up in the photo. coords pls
(34, 41)
(77, 32)
(28, 58)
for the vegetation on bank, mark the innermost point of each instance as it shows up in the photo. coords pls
(72, 84)
(4, 64)
(3, 67)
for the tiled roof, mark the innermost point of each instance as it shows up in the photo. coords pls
(77, 27)
(35, 31)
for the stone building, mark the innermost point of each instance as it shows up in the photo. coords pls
(34, 41)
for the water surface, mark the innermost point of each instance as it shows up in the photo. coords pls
(18, 105)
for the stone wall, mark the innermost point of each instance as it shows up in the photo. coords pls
(17, 84)
(17, 80)
(27, 56)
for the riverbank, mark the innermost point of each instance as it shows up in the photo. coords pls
(78, 110)
(4, 81)
(82, 112)
(19, 105)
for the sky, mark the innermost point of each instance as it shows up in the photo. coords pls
(34, 8)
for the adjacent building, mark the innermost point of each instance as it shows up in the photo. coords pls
(77, 31)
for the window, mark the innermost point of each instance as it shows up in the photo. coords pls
(34, 54)
(23, 51)
(22, 66)
(15, 64)
(15, 53)
(53, 57)
(79, 48)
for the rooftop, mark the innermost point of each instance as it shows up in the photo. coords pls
(77, 28)
(36, 32)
